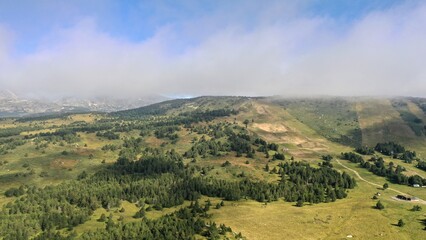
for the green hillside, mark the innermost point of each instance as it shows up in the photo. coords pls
(217, 168)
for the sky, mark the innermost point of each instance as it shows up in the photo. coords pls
(87, 48)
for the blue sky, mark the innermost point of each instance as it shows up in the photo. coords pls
(212, 47)
(133, 20)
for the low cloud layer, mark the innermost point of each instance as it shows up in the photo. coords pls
(381, 53)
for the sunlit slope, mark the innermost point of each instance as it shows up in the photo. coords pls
(275, 124)
(310, 123)
(396, 120)
(333, 118)
(350, 121)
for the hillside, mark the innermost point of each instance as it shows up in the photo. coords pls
(13, 105)
(217, 167)
(348, 121)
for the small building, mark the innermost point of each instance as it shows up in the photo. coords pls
(402, 197)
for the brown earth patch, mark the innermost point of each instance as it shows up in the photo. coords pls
(271, 127)
(84, 151)
(261, 109)
(61, 163)
(153, 141)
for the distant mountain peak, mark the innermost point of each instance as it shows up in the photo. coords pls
(7, 94)
(13, 106)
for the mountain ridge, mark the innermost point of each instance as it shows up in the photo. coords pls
(13, 105)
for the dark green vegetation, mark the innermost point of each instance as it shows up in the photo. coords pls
(422, 165)
(365, 150)
(172, 170)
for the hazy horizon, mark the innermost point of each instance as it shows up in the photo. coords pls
(132, 49)
(160, 98)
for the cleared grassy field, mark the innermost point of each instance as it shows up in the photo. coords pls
(354, 216)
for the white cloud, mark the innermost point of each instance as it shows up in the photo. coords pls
(380, 54)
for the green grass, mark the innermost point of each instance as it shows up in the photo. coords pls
(50, 160)
(351, 216)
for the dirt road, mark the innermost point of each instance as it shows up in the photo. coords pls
(378, 185)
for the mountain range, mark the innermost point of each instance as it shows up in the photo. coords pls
(14, 105)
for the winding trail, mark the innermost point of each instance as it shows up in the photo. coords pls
(378, 185)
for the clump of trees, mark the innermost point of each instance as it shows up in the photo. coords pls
(278, 156)
(205, 147)
(110, 135)
(365, 150)
(15, 192)
(167, 132)
(355, 158)
(396, 151)
(8, 144)
(389, 148)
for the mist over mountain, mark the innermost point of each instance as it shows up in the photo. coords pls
(15, 105)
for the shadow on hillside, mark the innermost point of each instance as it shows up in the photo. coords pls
(391, 130)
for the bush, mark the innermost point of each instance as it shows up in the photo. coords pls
(279, 156)
(416, 208)
(385, 186)
(226, 164)
(14, 192)
(380, 206)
